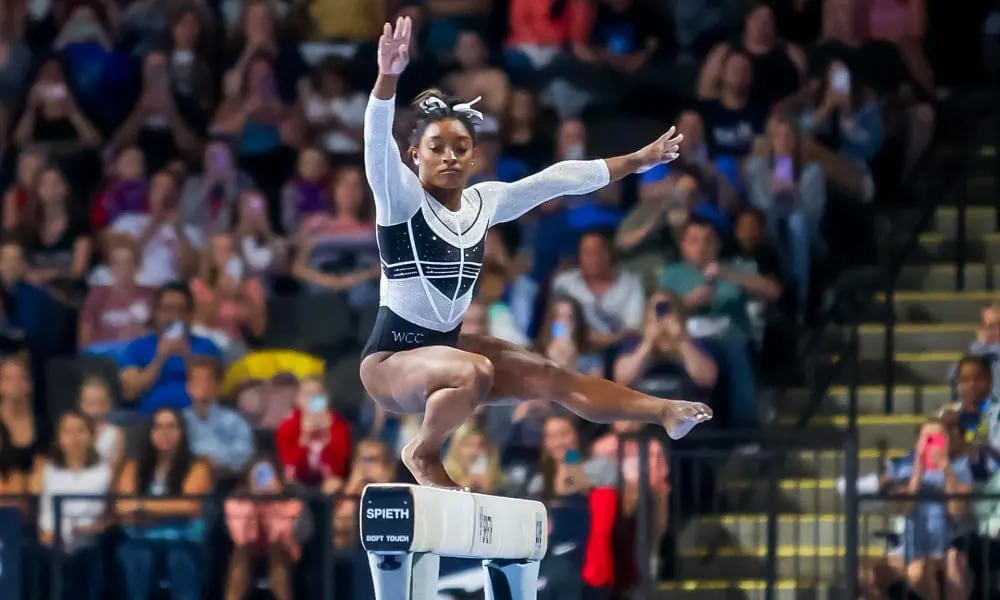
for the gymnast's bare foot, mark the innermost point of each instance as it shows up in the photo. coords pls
(425, 465)
(680, 417)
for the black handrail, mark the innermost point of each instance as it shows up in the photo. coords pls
(860, 298)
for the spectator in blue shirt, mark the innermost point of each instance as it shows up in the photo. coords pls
(154, 367)
(218, 434)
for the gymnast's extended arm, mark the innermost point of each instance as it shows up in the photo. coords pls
(396, 189)
(574, 177)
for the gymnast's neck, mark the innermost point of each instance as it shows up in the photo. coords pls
(448, 198)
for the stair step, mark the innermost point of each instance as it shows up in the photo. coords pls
(878, 431)
(941, 277)
(809, 562)
(811, 495)
(907, 399)
(744, 589)
(941, 306)
(910, 368)
(979, 220)
(935, 247)
(829, 464)
(913, 337)
(750, 530)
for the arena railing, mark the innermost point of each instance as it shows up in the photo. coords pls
(37, 572)
(745, 514)
(317, 549)
(967, 551)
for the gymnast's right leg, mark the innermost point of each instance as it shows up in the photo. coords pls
(444, 383)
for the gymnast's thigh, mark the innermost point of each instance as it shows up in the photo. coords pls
(401, 381)
(518, 372)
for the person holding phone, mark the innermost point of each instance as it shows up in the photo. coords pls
(791, 190)
(560, 467)
(845, 116)
(229, 305)
(154, 366)
(52, 116)
(565, 337)
(209, 199)
(314, 442)
(162, 127)
(272, 528)
(934, 466)
(472, 461)
(664, 361)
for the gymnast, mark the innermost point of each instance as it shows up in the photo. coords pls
(431, 231)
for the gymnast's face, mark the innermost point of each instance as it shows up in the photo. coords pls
(445, 155)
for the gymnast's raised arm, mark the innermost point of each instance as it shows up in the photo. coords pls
(396, 189)
(574, 177)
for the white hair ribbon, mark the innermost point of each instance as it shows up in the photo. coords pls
(466, 108)
(435, 103)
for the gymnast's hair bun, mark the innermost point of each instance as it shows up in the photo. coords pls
(425, 101)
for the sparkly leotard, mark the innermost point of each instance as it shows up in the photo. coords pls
(431, 256)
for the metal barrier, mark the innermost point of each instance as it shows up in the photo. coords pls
(965, 563)
(749, 513)
(566, 513)
(319, 506)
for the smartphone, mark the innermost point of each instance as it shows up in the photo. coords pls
(662, 308)
(559, 330)
(840, 80)
(316, 404)
(479, 465)
(234, 267)
(174, 331)
(54, 91)
(933, 441)
(255, 202)
(263, 475)
(572, 457)
(784, 169)
(220, 159)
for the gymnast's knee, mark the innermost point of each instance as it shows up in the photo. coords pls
(475, 375)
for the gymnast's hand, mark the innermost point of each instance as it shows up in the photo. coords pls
(664, 150)
(394, 47)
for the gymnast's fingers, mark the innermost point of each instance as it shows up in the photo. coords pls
(674, 141)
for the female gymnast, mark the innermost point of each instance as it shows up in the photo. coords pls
(431, 231)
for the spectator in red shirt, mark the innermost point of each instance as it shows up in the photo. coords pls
(314, 442)
(541, 30)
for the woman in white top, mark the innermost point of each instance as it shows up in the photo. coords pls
(75, 469)
(95, 403)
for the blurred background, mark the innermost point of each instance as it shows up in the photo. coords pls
(188, 270)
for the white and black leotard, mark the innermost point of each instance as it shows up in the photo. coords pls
(431, 256)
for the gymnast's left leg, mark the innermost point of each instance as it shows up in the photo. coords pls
(522, 374)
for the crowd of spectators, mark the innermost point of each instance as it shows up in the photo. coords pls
(185, 212)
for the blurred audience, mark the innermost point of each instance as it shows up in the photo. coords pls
(612, 298)
(270, 528)
(472, 462)
(664, 361)
(163, 536)
(74, 467)
(116, 313)
(229, 303)
(218, 435)
(154, 366)
(96, 402)
(314, 442)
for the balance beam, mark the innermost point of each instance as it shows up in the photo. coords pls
(406, 528)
